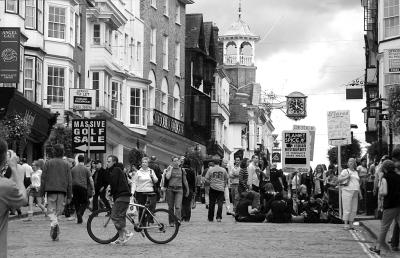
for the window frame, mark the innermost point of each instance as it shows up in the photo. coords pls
(61, 25)
(165, 57)
(53, 86)
(389, 18)
(34, 18)
(78, 20)
(16, 6)
(93, 35)
(115, 99)
(153, 45)
(178, 59)
(32, 90)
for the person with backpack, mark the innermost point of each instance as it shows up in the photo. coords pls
(175, 182)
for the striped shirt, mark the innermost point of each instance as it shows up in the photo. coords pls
(243, 177)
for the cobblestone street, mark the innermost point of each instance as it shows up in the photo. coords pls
(198, 238)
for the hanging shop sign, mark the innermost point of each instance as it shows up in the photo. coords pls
(339, 131)
(296, 105)
(296, 151)
(9, 55)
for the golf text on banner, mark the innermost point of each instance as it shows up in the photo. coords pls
(89, 135)
(312, 130)
(296, 151)
(82, 99)
(339, 131)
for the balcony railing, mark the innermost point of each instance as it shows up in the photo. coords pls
(167, 122)
(233, 60)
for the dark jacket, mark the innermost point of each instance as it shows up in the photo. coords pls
(118, 182)
(154, 166)
(100, 179)
(56, 177)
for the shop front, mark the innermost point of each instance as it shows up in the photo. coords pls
(40, 121)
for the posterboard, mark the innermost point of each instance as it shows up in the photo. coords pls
(312, 130)
(89, 134)
(296, 151)
(339, 131)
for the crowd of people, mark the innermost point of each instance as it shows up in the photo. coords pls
(251, 189)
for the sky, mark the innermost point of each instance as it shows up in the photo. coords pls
(312, 46)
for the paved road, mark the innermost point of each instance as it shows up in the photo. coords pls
(198, 238)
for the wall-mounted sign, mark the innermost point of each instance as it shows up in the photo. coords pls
(295, 151)
(9, 55)
(392, 60)
(89, 135)
(82, 99)
(339, 131)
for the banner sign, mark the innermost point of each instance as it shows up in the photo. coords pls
(89, 135)
(9, 55)
(296, 151)
(82, 99)
(311, 130)
(339, 131)
(392, 59)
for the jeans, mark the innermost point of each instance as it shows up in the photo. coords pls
(349, 203)
(174, 200)
(187, 207)
(118, 214)
(215, 197)
(143, 198)
(80, 200)
(55, 206)
(387, 218)
(103, 198)
(235, 195)
(395, 235)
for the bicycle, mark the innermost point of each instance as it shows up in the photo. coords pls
(150, 225)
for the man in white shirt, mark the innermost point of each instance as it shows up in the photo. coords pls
(28, 171)
(254, 172)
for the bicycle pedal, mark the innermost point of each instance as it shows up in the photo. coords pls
(141, 232)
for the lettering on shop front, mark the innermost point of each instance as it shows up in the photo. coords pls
(171, 124)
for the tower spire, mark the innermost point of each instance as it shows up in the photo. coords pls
(240, 9)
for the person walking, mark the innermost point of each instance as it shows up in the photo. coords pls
(188, 201)
(206, 185)
(121, 194)
(319, 180)
(234, 180)
(34, 189)
(82, 182)
(176, 183)
(363, 174)
(143, 186)
(390, 190)
(228, 204)
(218, 179)
(12, 192)
(27, 171)
(350, 182)
(100, 186)
(56, 182)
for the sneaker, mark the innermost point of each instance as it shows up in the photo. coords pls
(219, 220)
(57, 230)
(117, 242)
(128, 236)
(54, 232)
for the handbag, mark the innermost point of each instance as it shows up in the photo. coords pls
(347, 181)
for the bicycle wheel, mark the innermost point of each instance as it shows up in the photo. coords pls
(100, 227)
(165, 226)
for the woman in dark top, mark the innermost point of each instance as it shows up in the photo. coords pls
(390, 190)
(281, 212)
(245, 211)
(243, 176)
(187, 200)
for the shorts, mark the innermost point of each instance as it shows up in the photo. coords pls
(118, 214)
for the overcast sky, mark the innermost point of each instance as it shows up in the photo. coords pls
(311, 46)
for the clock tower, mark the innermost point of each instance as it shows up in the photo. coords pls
(238, 44)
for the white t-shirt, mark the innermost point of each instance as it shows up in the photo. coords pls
(35, 178)
(354, 183)
(27, 169)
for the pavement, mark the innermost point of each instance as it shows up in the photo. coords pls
(197, 238)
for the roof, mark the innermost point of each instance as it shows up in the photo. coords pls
(194, 23)
(207, 35)
(239, 28)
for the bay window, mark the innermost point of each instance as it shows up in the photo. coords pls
(138, 108)
(96, 34)
(391, 18)
(56, 84)
(29, 78)
(56, 25)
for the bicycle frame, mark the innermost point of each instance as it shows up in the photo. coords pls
(145, 210)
